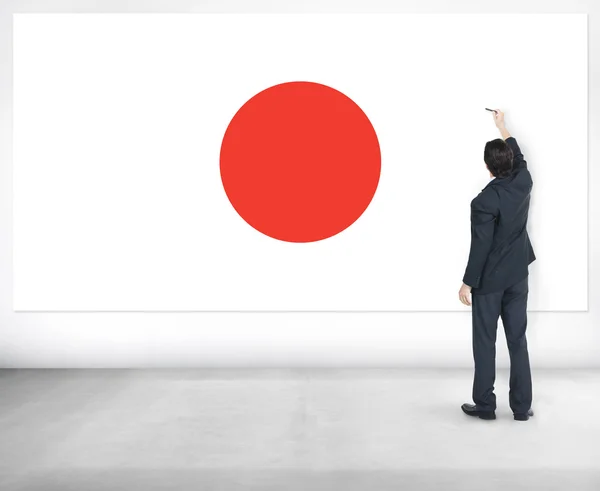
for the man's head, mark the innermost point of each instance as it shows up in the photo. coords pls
(498, 157)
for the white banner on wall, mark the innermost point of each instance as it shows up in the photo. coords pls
(132, 134)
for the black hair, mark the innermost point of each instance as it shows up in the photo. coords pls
(499, 157)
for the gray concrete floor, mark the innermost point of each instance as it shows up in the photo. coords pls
(291, 430)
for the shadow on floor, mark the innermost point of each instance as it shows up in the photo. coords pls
(296, 480)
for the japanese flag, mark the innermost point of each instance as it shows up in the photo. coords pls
(282, 162)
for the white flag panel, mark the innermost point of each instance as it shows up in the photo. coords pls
(119, 118)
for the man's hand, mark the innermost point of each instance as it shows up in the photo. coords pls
(464, 294)
(499, 122)
(498, 118)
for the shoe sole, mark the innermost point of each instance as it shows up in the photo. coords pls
(481, 415)
(523, 416)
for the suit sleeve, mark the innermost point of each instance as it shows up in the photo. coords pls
(483, 225)
(518, 159)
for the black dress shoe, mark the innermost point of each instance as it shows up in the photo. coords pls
(524, 417)
(472, 410)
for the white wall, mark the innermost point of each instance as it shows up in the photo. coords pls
(284, 339)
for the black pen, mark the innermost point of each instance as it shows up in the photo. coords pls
(492, 110)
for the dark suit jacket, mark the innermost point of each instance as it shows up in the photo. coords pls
(500, 247)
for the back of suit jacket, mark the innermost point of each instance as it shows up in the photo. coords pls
(501, 251)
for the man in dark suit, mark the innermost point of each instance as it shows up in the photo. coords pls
(497, 273)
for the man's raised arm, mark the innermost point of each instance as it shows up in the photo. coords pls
(518, 159)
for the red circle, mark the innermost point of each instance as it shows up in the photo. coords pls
(300, 162)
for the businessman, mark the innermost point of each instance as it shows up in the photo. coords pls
(495, 282)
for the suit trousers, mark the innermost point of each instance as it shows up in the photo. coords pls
(511, 305)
